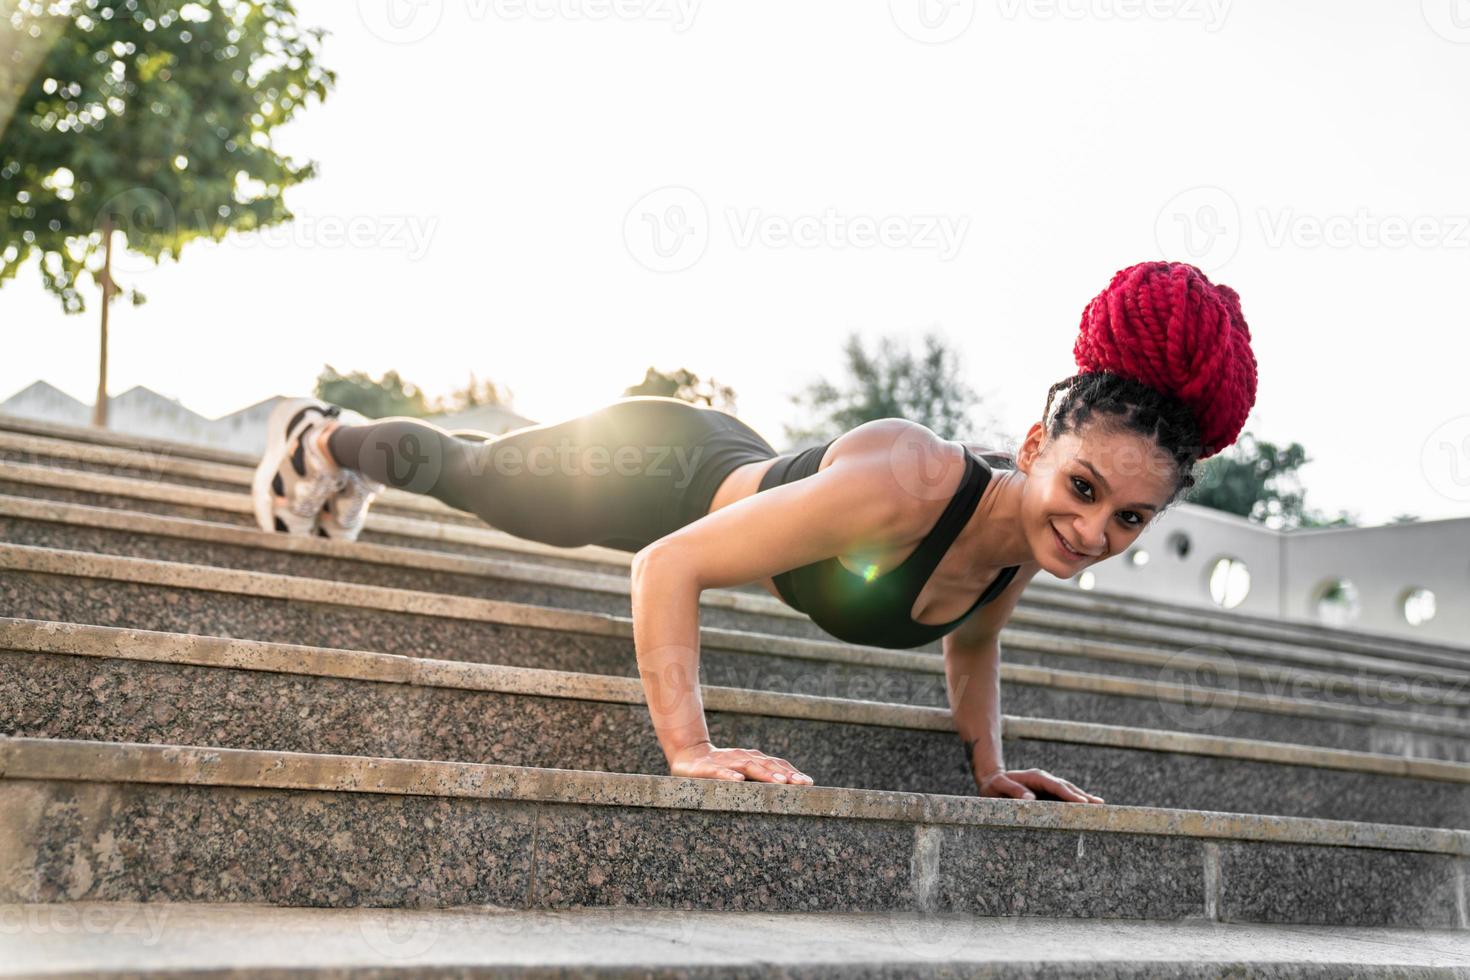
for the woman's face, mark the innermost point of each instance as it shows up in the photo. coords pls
(1095, 490)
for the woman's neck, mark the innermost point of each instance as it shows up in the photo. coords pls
(993, 537)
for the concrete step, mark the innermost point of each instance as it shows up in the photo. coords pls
(1121, 613)
(96, 821)
(68, 586)
(1222, 624)
(1378, 681)
(93, 435)
(1390, 678)
(1088, 695)
(124, 686)
(155, 467)
(184, 939)
(105, 530)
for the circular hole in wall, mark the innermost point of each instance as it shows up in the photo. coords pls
(1230, 582)
(1086, 580)
(1178, 545)
(1138, 557)
(1338, 602)
(1417, 606)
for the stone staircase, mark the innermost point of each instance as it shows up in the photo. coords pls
(427, 753)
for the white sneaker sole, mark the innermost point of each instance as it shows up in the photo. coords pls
(277, 441)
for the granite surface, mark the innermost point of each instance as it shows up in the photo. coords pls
(1445, 668)
(1021, 698)
(120, 700)
(672, 858)
(1021, 871)
(91, 841)
(135, 842)
(130, 842)
(113, 603)
(140, 471)
(1265, 881)
(110, 541)
(1200, 782)
(164, 508)
(1043, 701)
(182, 610)
(1244, 681)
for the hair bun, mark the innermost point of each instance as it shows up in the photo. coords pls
(1164, 324)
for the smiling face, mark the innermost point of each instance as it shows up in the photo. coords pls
(1096, 490)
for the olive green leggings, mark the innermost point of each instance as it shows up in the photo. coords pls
(622, 476)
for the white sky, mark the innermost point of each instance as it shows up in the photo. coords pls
(494, 161)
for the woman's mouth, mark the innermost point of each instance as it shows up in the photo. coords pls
(1064, 549)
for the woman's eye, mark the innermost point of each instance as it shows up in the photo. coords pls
(1076, 482)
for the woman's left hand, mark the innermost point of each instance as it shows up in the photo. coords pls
(1025, 783)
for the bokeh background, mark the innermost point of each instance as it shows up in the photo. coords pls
(557, 196)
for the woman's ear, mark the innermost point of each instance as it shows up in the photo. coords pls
(1031, 448)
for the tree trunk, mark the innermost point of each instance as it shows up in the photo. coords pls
(99, 408)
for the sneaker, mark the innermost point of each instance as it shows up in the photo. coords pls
(294, 480)
(344, 515)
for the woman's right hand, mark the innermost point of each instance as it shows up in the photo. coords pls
(704, 760)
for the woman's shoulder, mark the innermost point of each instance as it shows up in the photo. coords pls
(899, 437)
(919, 469)
(892, 442)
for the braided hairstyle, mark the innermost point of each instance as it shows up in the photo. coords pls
(1164, 353)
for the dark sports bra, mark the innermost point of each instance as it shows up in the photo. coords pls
(876, 612)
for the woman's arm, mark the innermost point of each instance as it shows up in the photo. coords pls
(846, 507)
(972, 680)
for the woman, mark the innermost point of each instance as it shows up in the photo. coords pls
(888, 535)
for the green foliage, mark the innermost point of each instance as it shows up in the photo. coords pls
(151, 117)
(686, 386)
(1258, 480)
(892, 383)
(391, 395)
(377, 398)
(478, 392)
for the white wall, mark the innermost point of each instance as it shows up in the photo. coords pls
(1289, 570)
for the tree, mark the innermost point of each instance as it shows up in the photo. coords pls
(686, 386)
(1258, 480)
(374, 398)
(478, 392)
(894, 383)
(143, 125)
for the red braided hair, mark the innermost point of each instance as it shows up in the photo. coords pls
(1164, 324)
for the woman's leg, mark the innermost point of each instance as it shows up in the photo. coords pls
(606, 477)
